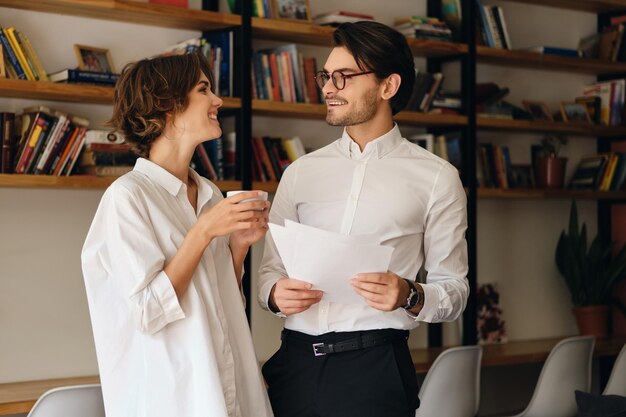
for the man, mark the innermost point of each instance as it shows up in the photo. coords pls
(353, 360)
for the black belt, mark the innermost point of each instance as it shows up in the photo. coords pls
(342, 342)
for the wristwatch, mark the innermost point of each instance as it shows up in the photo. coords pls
(414, 296)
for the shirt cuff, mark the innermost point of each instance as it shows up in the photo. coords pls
(431, 304)
(169, 305)
(264, 296)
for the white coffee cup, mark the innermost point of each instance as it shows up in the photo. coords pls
(262, 197)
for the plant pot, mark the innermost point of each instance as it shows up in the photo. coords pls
(592, 320)
(550, 172)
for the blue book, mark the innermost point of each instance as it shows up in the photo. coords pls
(551, 50)
(80, 76)
(6, 45)
(224, 41)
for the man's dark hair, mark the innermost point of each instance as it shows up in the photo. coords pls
(383, 50)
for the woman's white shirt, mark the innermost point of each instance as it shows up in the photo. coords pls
(159, 355)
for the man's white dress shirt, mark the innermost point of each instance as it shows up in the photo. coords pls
(158, 355)
(409, 198)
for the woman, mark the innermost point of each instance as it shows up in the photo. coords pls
(163, 259)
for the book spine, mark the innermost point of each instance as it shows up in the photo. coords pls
(43, 76)
(18, 52)
(12, 58)
(8, 127)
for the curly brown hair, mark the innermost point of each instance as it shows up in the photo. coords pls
(148, 90)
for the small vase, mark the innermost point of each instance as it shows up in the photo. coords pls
(550, 172)
(592, 320)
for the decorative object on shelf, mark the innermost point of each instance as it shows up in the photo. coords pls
(292, 9)
(538, 110)
(574, 113)
(91, 58)
(490, 324)
(593, 104)
(590, 275)
(549, 167)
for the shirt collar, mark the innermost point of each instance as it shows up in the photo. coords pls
(169, 182)
(379, 146)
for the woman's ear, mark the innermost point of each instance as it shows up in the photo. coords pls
(390, 86)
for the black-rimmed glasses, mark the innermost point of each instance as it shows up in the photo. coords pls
(338, 77)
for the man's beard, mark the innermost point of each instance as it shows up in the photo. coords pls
(365, 112)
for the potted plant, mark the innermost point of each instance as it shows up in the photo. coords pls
(549, 167)
(590, 274)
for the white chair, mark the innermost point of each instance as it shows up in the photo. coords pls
(617, 380)
(567, 369)
(452, 385)
(73, 401)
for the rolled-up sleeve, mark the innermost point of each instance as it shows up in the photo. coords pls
(122, 247)
(283, 208)
(445, 249)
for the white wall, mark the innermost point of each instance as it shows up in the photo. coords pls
(43, 315)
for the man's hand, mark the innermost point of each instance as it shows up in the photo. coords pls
(382, 291)
(291, 296)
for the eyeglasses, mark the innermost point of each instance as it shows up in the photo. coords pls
(338, 77)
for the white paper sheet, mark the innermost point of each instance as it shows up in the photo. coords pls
(329, 260)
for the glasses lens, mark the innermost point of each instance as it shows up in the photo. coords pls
(338, 80)
(321, 78)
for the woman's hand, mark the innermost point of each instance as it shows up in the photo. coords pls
(247, 220)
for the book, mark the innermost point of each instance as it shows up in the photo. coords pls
(553, 50)
(10, 34)
(11, 56)
(70, 75)
(32, 57)
(7, 141)
(223, 41)
(589, 172)
(104, 136)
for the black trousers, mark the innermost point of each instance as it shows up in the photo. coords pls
(378, 381)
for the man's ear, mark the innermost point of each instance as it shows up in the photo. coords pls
(390, 86)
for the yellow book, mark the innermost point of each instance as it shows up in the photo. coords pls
(10, 34)
(609, 172)
(32, 57)
(3, 73)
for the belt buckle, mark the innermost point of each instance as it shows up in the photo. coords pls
(315, 351)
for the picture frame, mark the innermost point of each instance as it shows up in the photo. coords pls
(91, 58)
(593, 104)
(299, 10)
(522, 176)
(573, 112)
(538, 110)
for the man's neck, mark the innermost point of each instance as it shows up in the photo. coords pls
(364, 133)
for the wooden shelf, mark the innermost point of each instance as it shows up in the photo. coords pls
(594, 6)
(133, 12)
(436, 49)
(535, 60)
(269, 186)
(78, 182)
(291, 31)
(78, 93)
(318, 112)
(537, 193)
(538, 126)
(515, 353)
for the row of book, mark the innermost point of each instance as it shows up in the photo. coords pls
(424, 91)
(18, 59)
(284, 74)
(216, 159)
(272, 155)
(611, 98)
(602, 172)
(491, 27)
(217, 47)
(496, 170)
(41, 141)
(423, 27)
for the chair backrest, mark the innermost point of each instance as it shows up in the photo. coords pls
(617, 380)
(73, 401)
(567, 369)
(452, 385)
